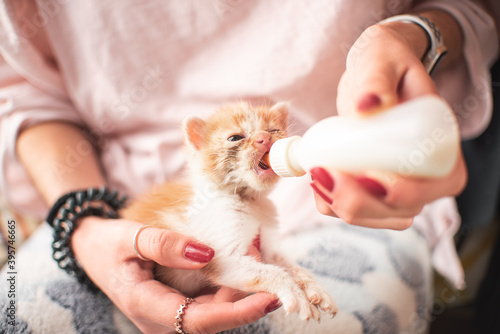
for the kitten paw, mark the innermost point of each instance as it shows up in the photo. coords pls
(315, 293)
(308, 300)
(317, 296)
(295, 300)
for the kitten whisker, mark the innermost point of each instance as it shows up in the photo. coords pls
(290, 126)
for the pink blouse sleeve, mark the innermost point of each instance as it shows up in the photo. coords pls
(23, 104)
(467, 86)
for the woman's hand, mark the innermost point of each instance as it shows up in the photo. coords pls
(104, 248)
(378, 199)
(383, 69)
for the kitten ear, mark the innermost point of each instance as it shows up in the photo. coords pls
(194, 128)
(280, 111)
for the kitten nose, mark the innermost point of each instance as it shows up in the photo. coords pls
(262, 139)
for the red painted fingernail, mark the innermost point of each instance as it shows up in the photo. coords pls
(321, 176)
(320, 193)
(273, 306)
(372, 186)
(369, 102)
(198, 253)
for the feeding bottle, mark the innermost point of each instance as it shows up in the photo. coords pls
(417, 138)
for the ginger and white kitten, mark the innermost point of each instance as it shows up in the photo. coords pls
(223, 204)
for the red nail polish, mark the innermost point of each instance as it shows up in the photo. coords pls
(321, 176)
(198, 253)
(273, 306)
(320, 193)
(372, 186)
(369, 101)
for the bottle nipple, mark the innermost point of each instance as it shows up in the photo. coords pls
(265, 159)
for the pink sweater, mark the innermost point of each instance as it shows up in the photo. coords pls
(129, 71)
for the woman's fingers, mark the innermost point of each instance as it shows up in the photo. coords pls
(405, 191)
(150, 304)
(158, 304)
(170, 249)
(216, 317)
(393, 223)
(378, 199)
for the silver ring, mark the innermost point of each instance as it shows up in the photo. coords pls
(135, 241)
(180, 313)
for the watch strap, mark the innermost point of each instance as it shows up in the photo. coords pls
(437, 48)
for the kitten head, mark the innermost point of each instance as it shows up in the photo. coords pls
(229, 146)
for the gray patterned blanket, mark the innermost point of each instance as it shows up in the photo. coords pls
(380, 279)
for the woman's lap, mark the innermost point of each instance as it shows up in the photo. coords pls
(380, 279)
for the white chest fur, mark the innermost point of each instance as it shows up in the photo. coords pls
(227, 222)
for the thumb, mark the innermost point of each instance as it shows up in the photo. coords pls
(376, 86)
(382, 89)
(381, 71)
(171, 249)
(382, 86)
(369, 90)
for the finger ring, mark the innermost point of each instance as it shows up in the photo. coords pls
(135, 242)
(178, 317)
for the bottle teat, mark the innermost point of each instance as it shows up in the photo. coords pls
(265, 159)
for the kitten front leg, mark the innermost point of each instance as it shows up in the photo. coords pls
(314, 292)
(247, 274)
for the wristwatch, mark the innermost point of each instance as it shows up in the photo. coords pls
(437, 48)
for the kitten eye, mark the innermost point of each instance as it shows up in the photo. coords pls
(235, 138)
(274, 130)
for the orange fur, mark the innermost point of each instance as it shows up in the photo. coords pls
(173, 197)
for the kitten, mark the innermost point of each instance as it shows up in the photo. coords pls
(223, 205)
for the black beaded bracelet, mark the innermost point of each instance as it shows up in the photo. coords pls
(63, 218)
